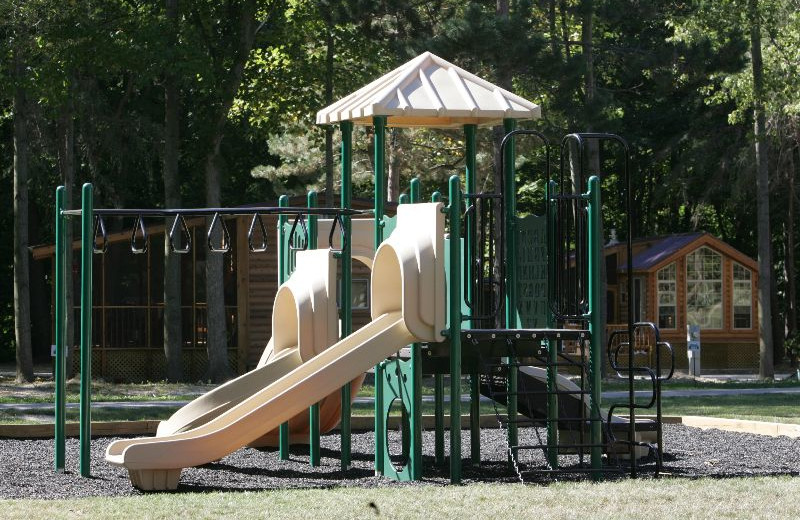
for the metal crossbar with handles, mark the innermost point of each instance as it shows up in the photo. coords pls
(180, 238)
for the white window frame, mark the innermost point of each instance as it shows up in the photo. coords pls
(749, 282)
(718, 281)
(674, 292)
(353, 283)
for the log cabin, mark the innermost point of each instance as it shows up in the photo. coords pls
(689, 278)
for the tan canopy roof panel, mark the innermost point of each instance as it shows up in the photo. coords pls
(429, 92)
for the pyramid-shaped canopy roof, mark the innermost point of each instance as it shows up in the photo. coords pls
(430, 92)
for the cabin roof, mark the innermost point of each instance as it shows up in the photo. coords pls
(653, 253)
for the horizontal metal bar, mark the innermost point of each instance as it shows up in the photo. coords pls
(541, 446)
(569, 196)
(208, 212)
(483, 196)
(565, 334)
(544, 392)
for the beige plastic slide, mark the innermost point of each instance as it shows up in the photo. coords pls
(408, 304)
(314, 282)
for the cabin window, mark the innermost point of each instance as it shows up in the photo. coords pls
(359, 294)
(667, 296)
(742, 297)
(704, 288)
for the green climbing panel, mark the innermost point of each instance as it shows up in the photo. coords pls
(532, 280)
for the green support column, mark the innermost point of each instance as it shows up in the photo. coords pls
(87, 239)
(283, 257)
(510, 233)
(595, 324)
(379, 124)
(438, 397)
(454, 301)
(347, 273)
(313, 411)
(60, 311)
(469, 265)
(416, 387)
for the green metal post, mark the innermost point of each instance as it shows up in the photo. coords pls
(87, 249)
(379, 124)
(595, 323)
(416, 388)
(313, 411)
(60, 311)
(347, 273)
(470, 152)
(438, 396)
(283, 256)
(510, 233)
(454, 302)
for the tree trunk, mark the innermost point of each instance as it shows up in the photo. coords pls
(217, 339)
(565, 28)
(216, 324)
(173, 340)
(766, 366)
(592, 147)
(66, 161)
(393, 171)
(498, 132)
(555, 47)
(791, 276)
(329, 173)
(789, 263)
(22, 299)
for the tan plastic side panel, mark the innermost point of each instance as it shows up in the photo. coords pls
(305, 311)
(408, 271)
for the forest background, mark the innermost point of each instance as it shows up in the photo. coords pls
(202, 102)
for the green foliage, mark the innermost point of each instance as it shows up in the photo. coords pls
(672, 78)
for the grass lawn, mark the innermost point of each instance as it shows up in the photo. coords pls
(783, 408)
(43, 391)
(766, 497)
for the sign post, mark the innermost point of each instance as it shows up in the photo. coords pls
(693, 349)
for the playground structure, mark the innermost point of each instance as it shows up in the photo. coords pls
(453, 297)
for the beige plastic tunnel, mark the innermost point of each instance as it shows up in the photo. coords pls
(305, 323)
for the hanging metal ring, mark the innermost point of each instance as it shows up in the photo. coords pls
(225, 243)
(184, 229)
(138, 228)
(100, 226)
(304, 239)
(338, 220)
(263, 230)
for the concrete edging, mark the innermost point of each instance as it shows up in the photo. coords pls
(770, 429)
(366, 423)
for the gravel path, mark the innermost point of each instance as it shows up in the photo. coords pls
(26, 465)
